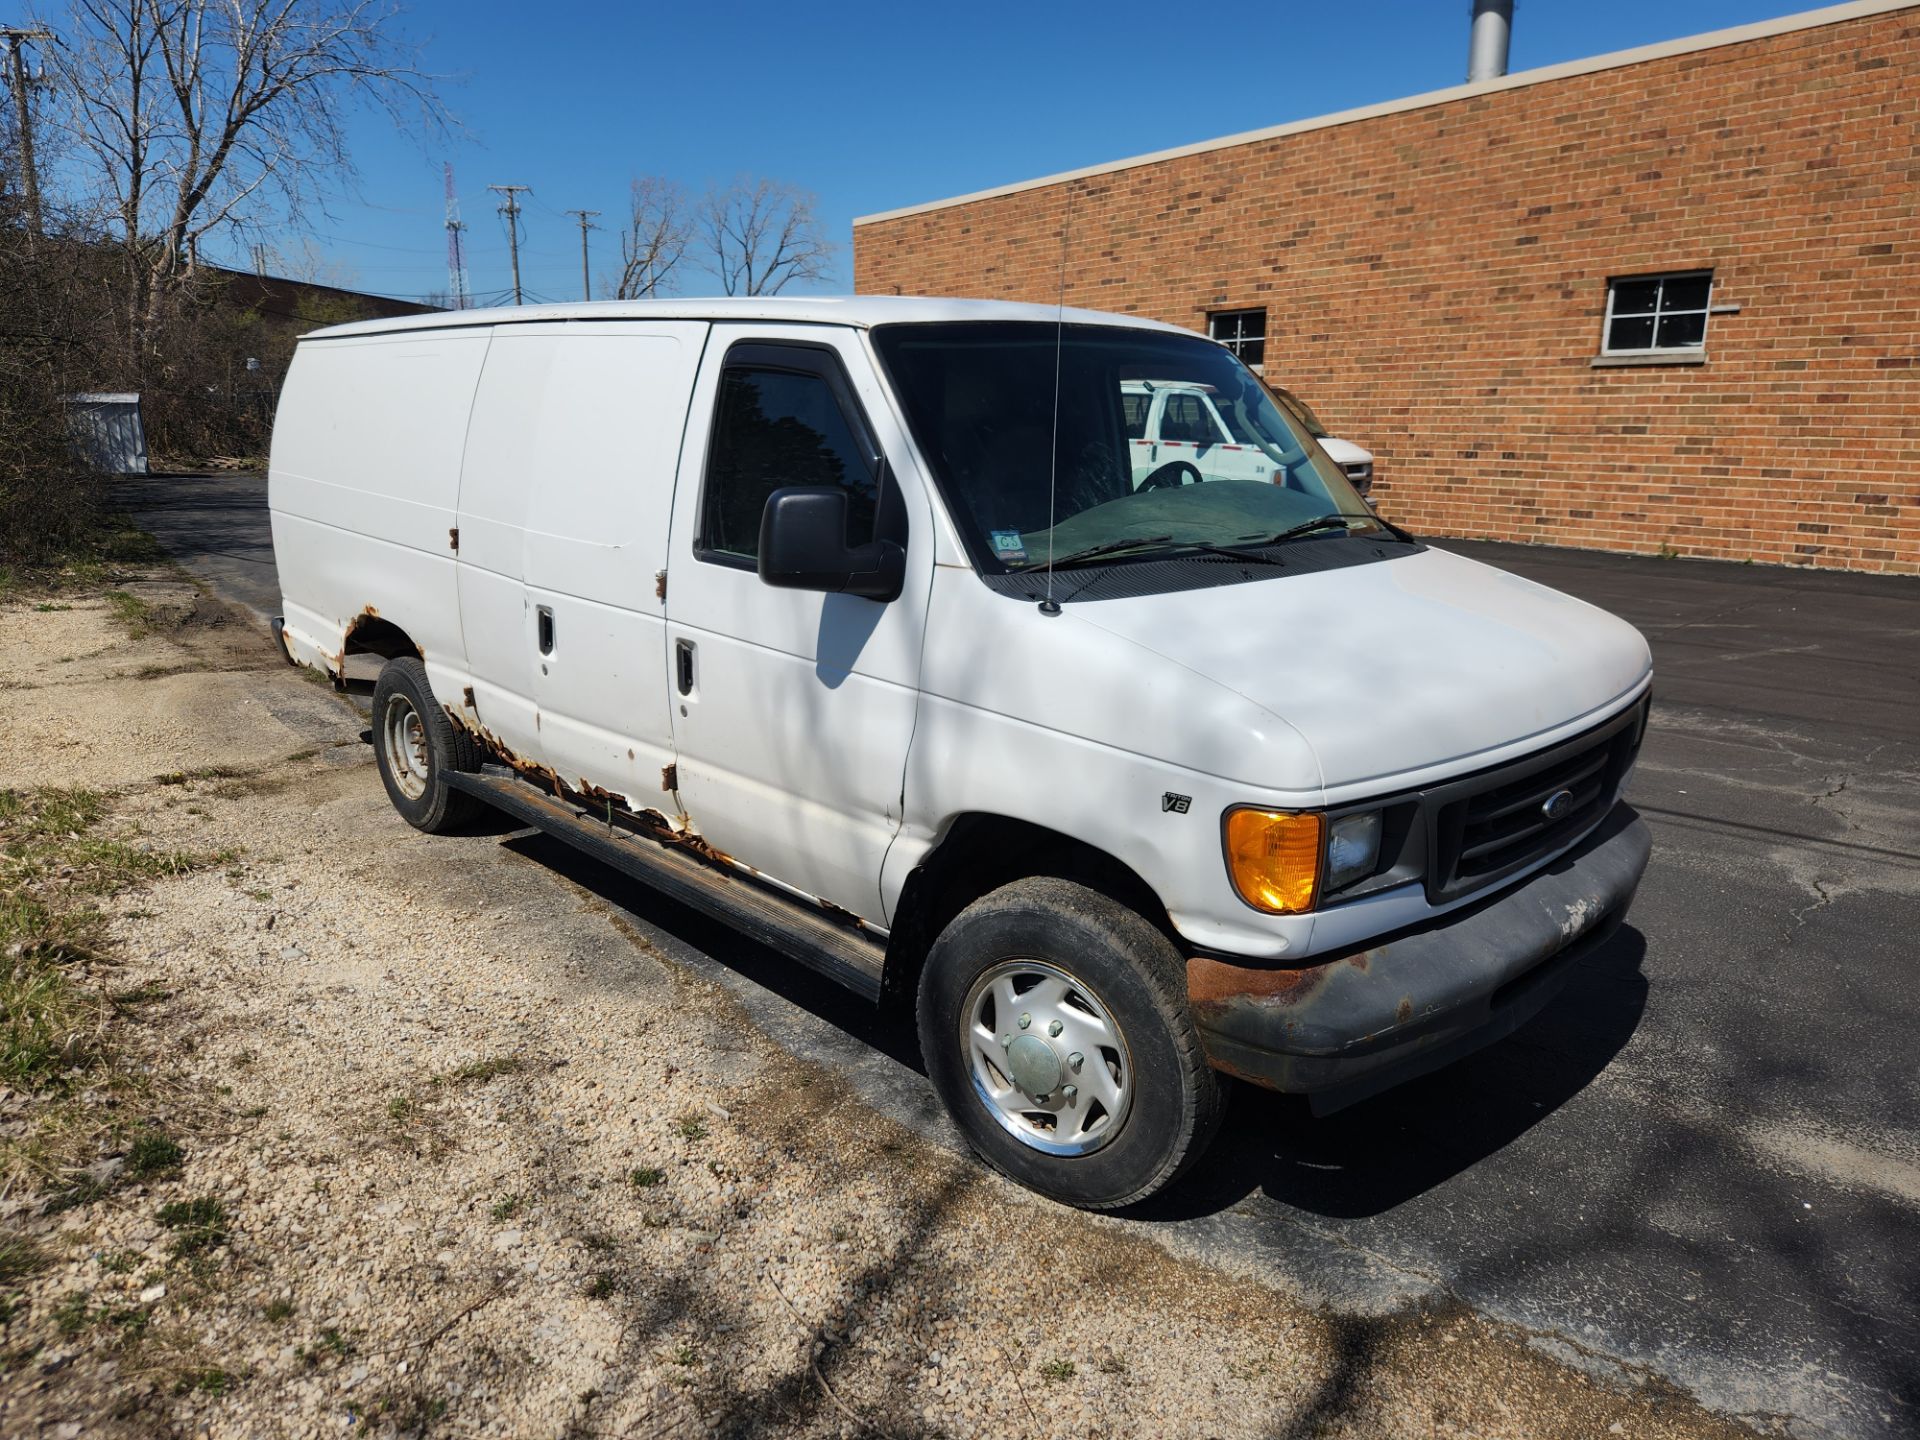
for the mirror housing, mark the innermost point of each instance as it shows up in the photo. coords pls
(803, 546)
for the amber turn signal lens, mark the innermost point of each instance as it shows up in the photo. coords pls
(1274, 859)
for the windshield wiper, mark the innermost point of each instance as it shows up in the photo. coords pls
(1325, 522)
(1093, 552)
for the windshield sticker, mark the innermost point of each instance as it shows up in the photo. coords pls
(1009, 545)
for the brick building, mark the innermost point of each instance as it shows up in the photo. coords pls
(1663, 300)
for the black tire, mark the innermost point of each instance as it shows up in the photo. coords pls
(426, 802)
(1132, 972)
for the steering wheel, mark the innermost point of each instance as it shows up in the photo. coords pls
(1174, 472)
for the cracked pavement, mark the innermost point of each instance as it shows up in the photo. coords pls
(1701, 1165)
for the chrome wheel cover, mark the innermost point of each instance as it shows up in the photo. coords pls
(1047, 1058)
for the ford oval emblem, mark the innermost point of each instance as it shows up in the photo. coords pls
(1556, 805)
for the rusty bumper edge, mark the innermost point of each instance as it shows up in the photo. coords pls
(1358, 1023)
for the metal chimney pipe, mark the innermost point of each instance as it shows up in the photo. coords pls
(1492, 29)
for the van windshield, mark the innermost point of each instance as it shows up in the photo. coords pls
(1164, 443)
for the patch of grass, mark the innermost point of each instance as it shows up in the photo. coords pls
(400, 1109)
(279, 1310)
(44, 1019)
(140, 995)
(121, 1262)
(74, 1314)
(199, 1225)
(690, 1127)
(602, 1286)
(332, 1339)
(646, 1177)
(202, 772)
(153, 1152)
(209, 1380)
(19, 1258)
(685, 1355)
(481, 1071)
(1055, 1371)
(47, 607)
(131, 611)
(506, 1208)
(47, 835)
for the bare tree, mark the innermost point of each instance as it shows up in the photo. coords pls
(762, 235)
(210, 118)
(658, 232)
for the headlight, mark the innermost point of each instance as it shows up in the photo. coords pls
(1353, 848)
(1283, 861)
(1274, 858)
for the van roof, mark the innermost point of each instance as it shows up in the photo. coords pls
(856, 310)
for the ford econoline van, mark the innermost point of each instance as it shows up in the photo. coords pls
(860, 625)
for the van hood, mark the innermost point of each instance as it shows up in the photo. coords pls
(1344, 452)
(1393, 667)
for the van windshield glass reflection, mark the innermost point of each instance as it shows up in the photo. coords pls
(1165, 440)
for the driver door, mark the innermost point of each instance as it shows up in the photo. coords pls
(792, 709)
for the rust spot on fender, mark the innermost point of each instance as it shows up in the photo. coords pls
(669, 776)
(1403, 1012)
(466, 698)
(1216, 982)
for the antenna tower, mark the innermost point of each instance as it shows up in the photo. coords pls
(460, 297)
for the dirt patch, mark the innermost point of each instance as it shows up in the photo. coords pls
(456, 1153)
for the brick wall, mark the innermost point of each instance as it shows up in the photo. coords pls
(1435, 282)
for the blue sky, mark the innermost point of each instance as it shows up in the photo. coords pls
(873, 106)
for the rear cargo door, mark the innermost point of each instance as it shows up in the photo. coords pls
(570, 466)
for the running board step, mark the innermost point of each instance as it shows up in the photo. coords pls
(839, 951)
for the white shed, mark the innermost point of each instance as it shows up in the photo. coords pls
(107, 434)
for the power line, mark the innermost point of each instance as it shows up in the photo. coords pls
(511, 209)
(586, 284)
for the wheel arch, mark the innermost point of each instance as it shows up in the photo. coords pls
(980, 852)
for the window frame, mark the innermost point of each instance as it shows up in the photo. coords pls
(795, 357)
(1705, 312)
(1236, 343)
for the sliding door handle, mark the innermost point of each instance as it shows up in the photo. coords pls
(683, 665)
(545, 614)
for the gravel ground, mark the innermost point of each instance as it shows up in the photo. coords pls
(489, 1163)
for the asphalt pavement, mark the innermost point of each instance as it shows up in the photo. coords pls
(1701, 1164)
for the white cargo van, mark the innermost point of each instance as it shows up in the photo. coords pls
(850, 622)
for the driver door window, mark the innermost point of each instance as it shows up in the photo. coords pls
(774, 428)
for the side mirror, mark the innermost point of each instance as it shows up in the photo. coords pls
(803, 546)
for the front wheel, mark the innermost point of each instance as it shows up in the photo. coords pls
(1054, 1024)
(414, 745)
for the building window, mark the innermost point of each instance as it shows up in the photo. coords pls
(1650, 313)
(1244, 332)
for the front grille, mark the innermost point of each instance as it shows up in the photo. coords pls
(1490, 825)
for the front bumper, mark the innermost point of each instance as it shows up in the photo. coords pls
(1354, 1024)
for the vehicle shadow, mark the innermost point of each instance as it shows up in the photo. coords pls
(1359, 1162)
(720, 944)
(1379, 1154)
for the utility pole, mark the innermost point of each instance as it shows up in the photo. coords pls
(511, 209)
(586, 285)
(23, 117)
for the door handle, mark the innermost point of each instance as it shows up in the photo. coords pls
(683, 665)
(546, 629)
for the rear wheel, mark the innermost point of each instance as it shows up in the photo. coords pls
(1054, 1023)
(415, 745)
